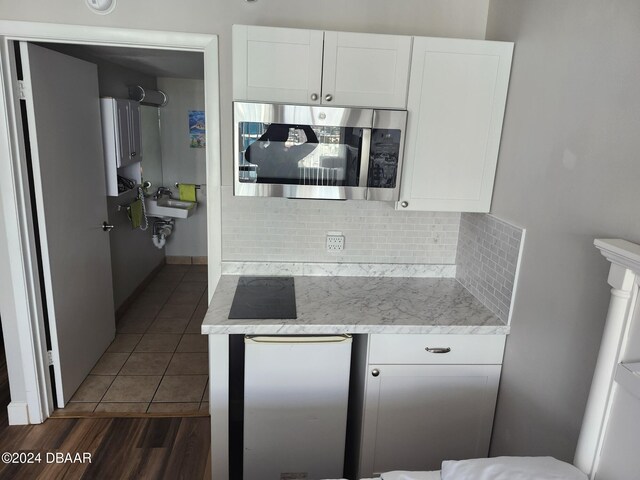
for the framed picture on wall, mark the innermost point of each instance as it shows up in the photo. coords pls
(197, 129)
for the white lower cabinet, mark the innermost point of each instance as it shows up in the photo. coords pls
(417, 415)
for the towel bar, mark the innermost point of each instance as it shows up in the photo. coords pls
(198, 186)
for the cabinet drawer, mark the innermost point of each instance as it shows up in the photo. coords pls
(460, 349)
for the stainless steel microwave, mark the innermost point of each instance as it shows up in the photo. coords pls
(302, 151)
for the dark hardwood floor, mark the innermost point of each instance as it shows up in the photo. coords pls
(120, 448)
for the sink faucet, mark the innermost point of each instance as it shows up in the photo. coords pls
(162, 191)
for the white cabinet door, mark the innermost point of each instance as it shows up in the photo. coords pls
(123, 142)
(416, 416)
(277, 64)
(127, 130)
(366, 70)
(457, 95)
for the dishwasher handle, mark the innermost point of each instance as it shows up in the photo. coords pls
(297, 339)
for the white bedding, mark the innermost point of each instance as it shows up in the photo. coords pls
(510, 468)
(496, 468)
(403, 475)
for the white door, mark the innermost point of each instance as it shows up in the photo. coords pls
(416, 416)
(277, 64)
(63, 113)
(457, 95)
(366, 70)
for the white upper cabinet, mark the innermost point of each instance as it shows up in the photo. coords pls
(364, 69)
(122, 140)
(124, 131)
(287, 65)
(457, 95)
(277, 64)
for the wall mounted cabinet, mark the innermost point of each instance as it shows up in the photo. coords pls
(457, 95)
(287, 65)
(454, 90)
(122, 141)
(421, 407)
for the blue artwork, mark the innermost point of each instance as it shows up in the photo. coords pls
(197, 129)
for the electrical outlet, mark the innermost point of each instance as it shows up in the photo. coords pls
(335, 242)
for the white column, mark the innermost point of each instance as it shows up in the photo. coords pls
(622, 278)
(219, 405)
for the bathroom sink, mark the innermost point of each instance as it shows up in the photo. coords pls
(166, 207)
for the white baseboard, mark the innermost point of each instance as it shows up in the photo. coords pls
(18, 413)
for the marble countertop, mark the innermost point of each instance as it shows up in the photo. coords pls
(338, 304)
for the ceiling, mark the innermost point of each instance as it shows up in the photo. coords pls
(153, 62)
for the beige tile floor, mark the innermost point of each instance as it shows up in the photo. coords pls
(158, 360)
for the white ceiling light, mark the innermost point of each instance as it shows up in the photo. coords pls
(101, 7)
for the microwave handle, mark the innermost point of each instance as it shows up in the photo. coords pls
(364, 157)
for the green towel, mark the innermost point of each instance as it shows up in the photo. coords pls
(187, 192)
(135, 213)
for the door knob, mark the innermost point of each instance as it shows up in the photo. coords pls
(106, 227)
(405, 204)
(314, 96)
(328, 97)
(375, 372)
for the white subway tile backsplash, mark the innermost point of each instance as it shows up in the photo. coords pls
(257, 229)
(487, 258)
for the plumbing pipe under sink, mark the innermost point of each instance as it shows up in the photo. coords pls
(161, 230)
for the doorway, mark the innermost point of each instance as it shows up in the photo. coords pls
(197, 270)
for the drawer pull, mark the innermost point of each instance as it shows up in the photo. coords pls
(438, 350)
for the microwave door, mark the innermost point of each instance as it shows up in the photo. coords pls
(385, 156)
(276, 155)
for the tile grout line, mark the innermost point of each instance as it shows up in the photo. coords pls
(164, 373)
(181, 281)
(155, 317)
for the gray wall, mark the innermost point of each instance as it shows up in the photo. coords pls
(133, 256)
(183, 164)
(568, 172)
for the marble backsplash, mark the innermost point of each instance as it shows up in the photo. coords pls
(261, 229)
(487, 260)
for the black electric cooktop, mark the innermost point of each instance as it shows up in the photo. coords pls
(264, 297)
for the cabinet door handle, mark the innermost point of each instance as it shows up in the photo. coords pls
(314, 96)
(328, 97)
(438, 349)
(404, 204)
(375, 372)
